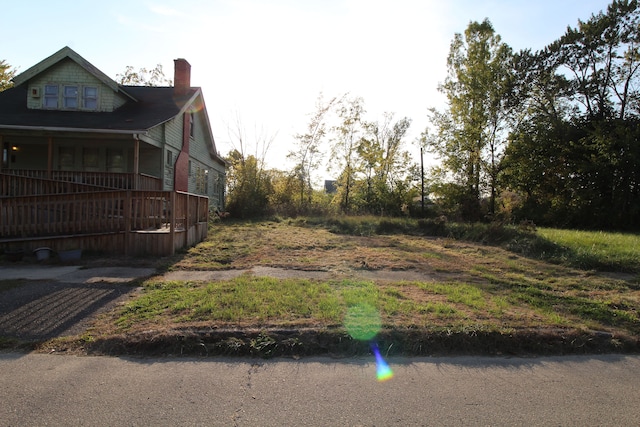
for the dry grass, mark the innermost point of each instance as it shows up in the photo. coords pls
(434, 287)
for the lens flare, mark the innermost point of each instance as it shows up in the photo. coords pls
(383, 371)
(362, 322)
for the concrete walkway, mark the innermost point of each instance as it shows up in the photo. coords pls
(61, 300)
(75, 274)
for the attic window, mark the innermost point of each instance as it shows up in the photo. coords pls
(90, 97)
(50, 96)
(71, 97)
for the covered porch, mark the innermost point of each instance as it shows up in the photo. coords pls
(116, 161)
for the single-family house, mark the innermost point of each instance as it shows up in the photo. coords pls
(86, 161)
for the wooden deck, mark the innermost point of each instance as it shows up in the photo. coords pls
(36, 212)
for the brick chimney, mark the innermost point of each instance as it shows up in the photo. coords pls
(181, 77)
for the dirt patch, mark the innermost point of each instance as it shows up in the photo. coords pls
(289, 273)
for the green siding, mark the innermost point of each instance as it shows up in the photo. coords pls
(68, 72)
(200, 155)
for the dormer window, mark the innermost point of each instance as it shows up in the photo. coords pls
(90, 98)
(50, 96)
(71, 97)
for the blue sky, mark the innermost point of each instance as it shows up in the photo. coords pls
(266, 61)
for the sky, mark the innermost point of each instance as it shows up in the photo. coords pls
(263, 63)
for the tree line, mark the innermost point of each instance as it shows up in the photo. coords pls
(373, 169)
(549, 137)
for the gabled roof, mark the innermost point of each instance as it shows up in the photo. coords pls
(64, 53)
(154, 106)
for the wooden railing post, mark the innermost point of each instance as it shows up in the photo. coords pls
(136, 164)
(127, 222)
(49, 157)
(172, 222)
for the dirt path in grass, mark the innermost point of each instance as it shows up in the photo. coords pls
(288, 273)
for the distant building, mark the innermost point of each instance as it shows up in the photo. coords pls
(330, 186)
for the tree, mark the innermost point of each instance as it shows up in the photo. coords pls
(471, 133)
(347, 135)
(307, 154)
(6, 74)
(574, 155)
(249, 186)
(249, 183)
(143, 77)
(601, 56)
(385, 164)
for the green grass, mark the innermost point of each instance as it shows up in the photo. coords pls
(596, 249)
(262, 301)
(259, 300)
(582, 249)
(484, 278)
(268, 301)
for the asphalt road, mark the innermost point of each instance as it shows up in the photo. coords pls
(53, 390)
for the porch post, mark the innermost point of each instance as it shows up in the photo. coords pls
(136, 161)
(1, 152)
(49, 157)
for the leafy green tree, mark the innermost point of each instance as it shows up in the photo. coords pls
(574, 155)
(285, 188)
(602, 59)
(307, 153)
(472, 131)
(249, 186)
(344, 155)
(385, 165)
(249, 183)
(143, 77)
(6, 74)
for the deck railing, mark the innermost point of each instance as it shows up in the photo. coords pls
(124, 181)
(34, 210)
(99, 212)
(18, 185)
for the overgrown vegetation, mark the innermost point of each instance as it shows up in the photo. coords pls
(549, 136)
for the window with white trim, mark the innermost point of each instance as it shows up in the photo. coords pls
(50, 96)
(90, 97)
(70, 97)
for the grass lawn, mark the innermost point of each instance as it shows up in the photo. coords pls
(463, 290)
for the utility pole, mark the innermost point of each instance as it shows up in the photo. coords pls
(422, 180)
